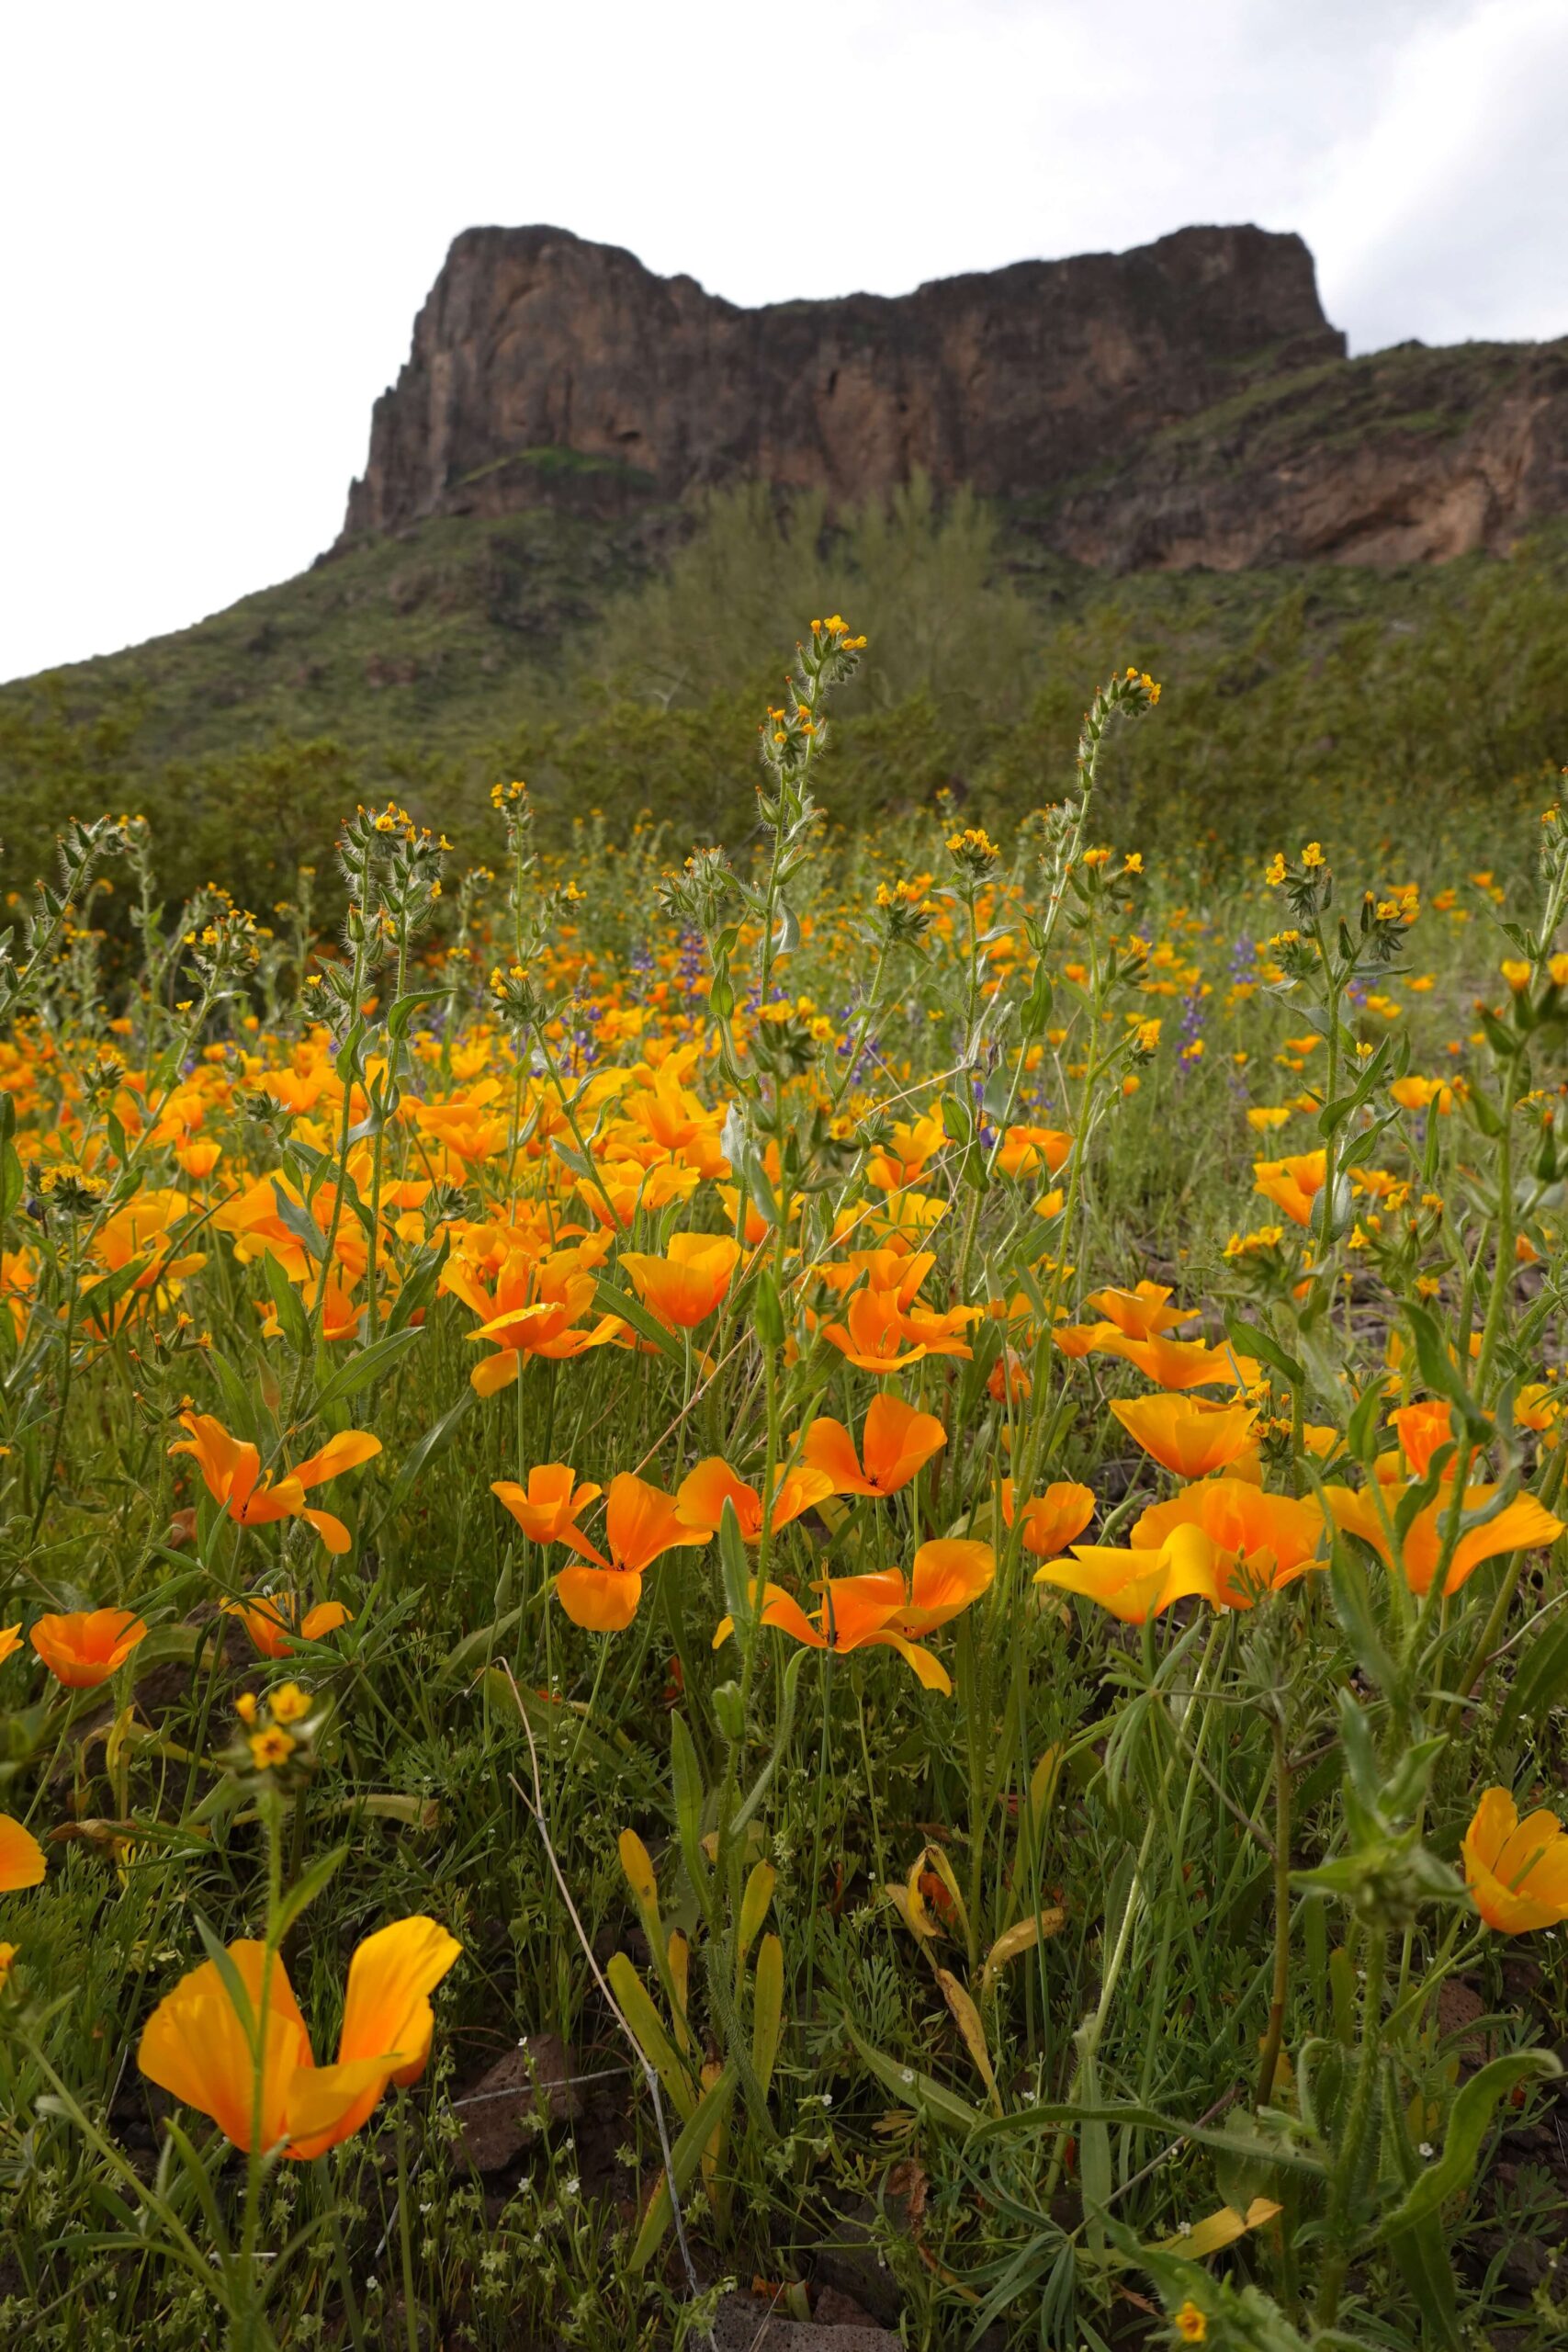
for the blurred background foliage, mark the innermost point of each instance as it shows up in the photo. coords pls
(621, 666)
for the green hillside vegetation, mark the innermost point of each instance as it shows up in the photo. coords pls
(617, 664)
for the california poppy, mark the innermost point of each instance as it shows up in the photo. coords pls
(683, 1286)
(196, 2045)
(940, 1331)
(874, 1334)
(1140, 1313)
(1139, 1583)
(1189, 1435)
(1292, 1185)
(703, 1493)
(1178, 1364)
(1522, 1525)
(1025, 1152)
(945, 1576)
(876, 1611)
(896, 1442)
(231, 1469)
(81, 1647)
(1053, 1518)
(1517, 1871)
(548, 1508)
(536, 1309)
(21, 1856)
(1259, 1542)
(10, 1640)
(273, 1621)
(898, 1161)
(640, 1523)
(1422, 1430)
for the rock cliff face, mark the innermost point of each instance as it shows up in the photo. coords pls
(1185, 403)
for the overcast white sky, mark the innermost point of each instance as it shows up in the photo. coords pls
(217, 221)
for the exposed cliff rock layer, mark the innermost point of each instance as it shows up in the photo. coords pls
(1185, 403)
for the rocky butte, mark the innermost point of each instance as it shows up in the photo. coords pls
(1186, 404)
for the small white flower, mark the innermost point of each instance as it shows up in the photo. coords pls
(1425, 2149)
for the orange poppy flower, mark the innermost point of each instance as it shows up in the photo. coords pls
(274, 1622)
(1079, 1340)
(941, 1334)
(1522, 1525)
(891, 1266)
(1179, 1363)
(685, 1286)
(1422, 1430)
(896, 1442)
(1191, 1435)
(1517, 1871)
(1140, 1313)
(196, 2046)
(84, 1646)
(536, 1309)
(548, 1508)
(10, 1640)
(21, 1856)
(1024, 1151)
(232, 1470)
(703, 1493)
(1053, 1518)
(873, 1333)
(899, 1160)
(1260, 1542)
(640, 1523)
(1292, 1185)
(944, 1577)
(1137, 1584)
(877, 1612)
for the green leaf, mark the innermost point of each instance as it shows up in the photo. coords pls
(768, 1310)
(1469, 2122)
(301, 1224)
(239, 1401)
(288, 1305)
(366, 1365)
(684, 2157)
(13, 1183)
(482, 1642)
(610, 1299)
(767, 2008)
(436, 1438)
(923, 2092)
(1025, 2121)
(686, 1780)
(647, 2032)
(310, 1884)
(1543, 1679)
(735, 1565)
(1250, 1339)
(419, 1284)
(404, 1008)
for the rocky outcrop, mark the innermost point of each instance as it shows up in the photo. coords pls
(1185, 403)
(1410, 455)
(535, 348)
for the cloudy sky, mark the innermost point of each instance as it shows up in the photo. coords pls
(216, 223)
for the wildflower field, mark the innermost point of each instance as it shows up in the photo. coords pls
(816, 1587)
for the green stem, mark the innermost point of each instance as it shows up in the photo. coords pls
(1336, 2261)
(1276, 2034)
